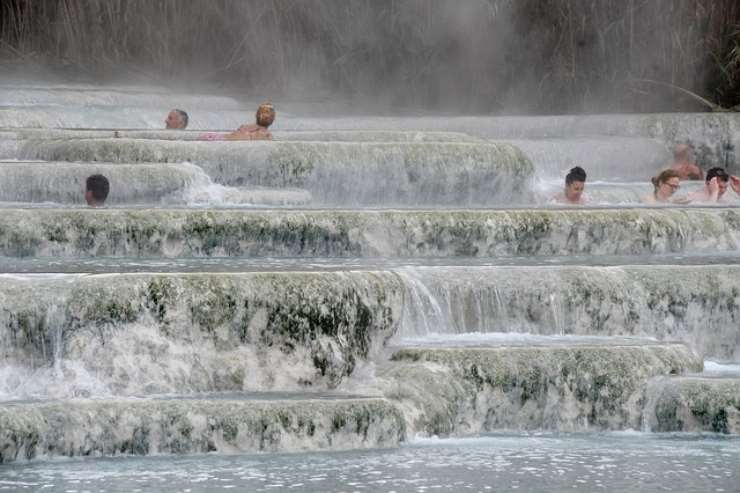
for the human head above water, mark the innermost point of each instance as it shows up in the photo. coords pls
(265, 115)
(722, 178)
(575, 182)
(682, 153)
(575, 174)
(177, 119)
(666, 184)
(720, 173)
(96, 190)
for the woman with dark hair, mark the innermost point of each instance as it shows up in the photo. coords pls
(575, 183)
(96, 190)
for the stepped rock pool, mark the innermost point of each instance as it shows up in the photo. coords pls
(380, 304)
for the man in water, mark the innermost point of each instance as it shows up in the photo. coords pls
(176, 120)
(264, 118)
(684, 163)
(715, 186)
(96, 190)
(575, 183)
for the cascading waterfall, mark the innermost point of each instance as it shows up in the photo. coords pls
(686, 303)
(441, 173)
(348, 285)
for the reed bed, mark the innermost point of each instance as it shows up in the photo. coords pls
(475, 56)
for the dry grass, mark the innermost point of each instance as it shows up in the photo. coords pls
(477, 55)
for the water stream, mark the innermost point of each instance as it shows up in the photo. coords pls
(364, 304)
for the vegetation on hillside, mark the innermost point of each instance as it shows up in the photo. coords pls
(477, 56)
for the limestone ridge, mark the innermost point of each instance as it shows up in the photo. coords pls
(329, 322)
(200, 332)
(329, 356)
(194, 426)
(470, 390)
(381, 173)
(693, 404)
(362, 233)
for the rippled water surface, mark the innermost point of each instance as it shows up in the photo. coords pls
(533, 463)
(32, 265)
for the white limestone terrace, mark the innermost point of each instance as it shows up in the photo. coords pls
(715, 136)
(466, 390)
(136, 334)
(612, 158)
(153, 363)
(289, 135)
(196, 426)
(335, 173)
(60, 184)
(420, 233)
(694, 403)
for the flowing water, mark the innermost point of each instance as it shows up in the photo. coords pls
(364, 304)
(504, 462)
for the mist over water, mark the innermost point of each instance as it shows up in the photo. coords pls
(388, 295)
(479, 56)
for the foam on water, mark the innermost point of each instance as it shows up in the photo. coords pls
(64, 379)
(505, 339)
(615, 193)
(98, 265)
(714, 368)
(201, 191)
(520, 462)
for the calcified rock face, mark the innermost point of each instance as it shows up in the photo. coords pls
(64, 182)
(158, 183)
(378, 173)
(605, 158)
(444, 233)
(696, 304)
(694, 404)
(384, 136)
(469, 390)
(142, 334)
(714, 136)
(149, 427)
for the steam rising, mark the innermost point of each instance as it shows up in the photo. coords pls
(477, 56)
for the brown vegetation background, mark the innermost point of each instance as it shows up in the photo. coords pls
(472, 56)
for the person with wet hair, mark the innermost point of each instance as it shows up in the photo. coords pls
(665, 184)
(176, 120)
(96, 190)
(259, 131)
(684, 163)
(575, 183)
(715, 186)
